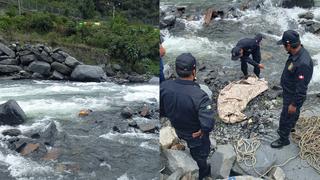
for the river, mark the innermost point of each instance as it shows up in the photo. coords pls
(88, 150)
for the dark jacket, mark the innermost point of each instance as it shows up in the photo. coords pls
(296, 76)
(250, 47)
(187, 106)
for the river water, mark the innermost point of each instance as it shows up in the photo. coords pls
(88, 150)
(213, 44)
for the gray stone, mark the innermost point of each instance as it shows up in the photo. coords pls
(37, 76)
(88, 73)
(154, 80)
(9, 62)
(8, 69)
(110, 71)
(222, 161)
(57, 76)
(117, 67)
(56, 50)
(46, 135)
(63, 54)
(169, 20)
(147, 127)
(266, 158)
(11, 113)
(44, 56)
(72, 62)
(137, 79)
(167, 137)
(180, 159)
(25, 52)
(127, 112)
(4, 57)
(307, 15)
(58, 57)
(40, 67)
(277, 174)
(27, 59)
(11, 132)
(61, 68)
(47, 49)
(5, 49)
(298, 3)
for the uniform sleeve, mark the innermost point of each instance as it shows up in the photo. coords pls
(303, 76)
(250, 61)
(256, 55)
(206, 114)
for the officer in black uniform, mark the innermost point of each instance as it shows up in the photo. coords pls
(246, 47)
(189, 110)
(294, 81)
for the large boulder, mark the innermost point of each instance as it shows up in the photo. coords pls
(88, 73)
(40, 67)
(61, 68)
(9, 69)
(71, 62)
(11, 113)
(44, 56)
(180, 159)
(222, 161)
(27, 59)
(6, 50)
(58, 57)
(9, 62)
(46, 135)
(57, 76)
(298, 3)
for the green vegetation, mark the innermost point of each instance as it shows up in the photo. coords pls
(131, 43)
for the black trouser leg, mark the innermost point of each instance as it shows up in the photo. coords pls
(244, 68)
(287, 121)
(200, 155)
(256, 71)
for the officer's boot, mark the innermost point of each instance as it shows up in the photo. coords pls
(282, 141)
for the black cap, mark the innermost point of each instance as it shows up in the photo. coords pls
(185, 62)
(235, 52)
(259, 37)
(289, 37)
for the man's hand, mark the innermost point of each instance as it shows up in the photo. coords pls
(292, 109)
(197, 134)
(261, 66)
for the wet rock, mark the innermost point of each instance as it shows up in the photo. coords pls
(307, 15)
(147, 127)
(61, 68)
(169, 20)
(29, 148)
(132, 123)
(46, 135)
(202, 67)
(64, 54)
(6, 50)
(277, 174)
(40, 67)
(88, 73)
(11, 113)
(167, 137)
(222, 161)
(24, 53)
(57, 76)
(11, 132)
(265, 159)
(27, 59)
(4, 57)
(145, 112)
(110, 71)
(180, 159)
(58, 57)
(209, 15)
(72, 62)
(44, 56)
(9, 69)
(298, 3)
(52, 154)
(127, 112)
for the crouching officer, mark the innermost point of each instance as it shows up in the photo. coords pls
(246, 47)
(294, 81)
(189, 110)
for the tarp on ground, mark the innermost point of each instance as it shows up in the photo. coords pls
(234, 98)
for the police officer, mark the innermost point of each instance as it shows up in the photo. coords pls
(162, 52)
(294, 81)
(246, 47)
(189, 110)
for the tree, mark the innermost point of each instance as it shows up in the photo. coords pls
(87, 9)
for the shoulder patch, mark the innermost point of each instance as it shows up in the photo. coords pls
(209, 107)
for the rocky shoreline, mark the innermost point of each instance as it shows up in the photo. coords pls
(45, 63)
